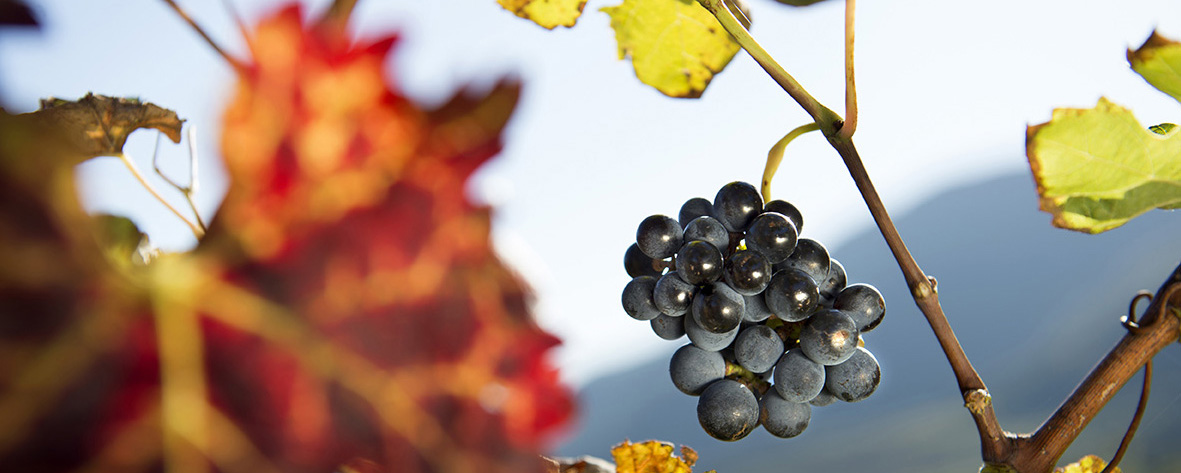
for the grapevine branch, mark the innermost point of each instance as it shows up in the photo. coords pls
(922, 287)
(1001, 450)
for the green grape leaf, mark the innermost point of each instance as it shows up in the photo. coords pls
(547, 13)
(676, 46)
(1158, 61)
(121, 240)
(1098, 168)
(1087, 464)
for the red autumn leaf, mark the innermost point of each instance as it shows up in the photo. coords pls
(345, 308)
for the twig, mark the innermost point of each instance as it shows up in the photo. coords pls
(189, 190)
(820, 114)
(337, 15)
(1127, 440)
(775, 156)
(850, 125)
(197, 231)
(236, 64)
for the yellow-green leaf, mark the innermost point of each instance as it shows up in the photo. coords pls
(1098, 168)
(1088, 464)
(1158, 61)
(652, 457)
(547, 13)
(676, 46)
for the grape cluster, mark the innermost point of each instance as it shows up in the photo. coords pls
(773, 326)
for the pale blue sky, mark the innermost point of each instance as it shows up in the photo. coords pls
(946, 90)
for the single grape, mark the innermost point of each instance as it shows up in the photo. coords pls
(825, 397)
(659, 236)
(672, 295)
(668, 327)
(809, 256)
(863, 303)
(707, 340)
(728, 410)
(856, 378)
(747, 272)
(717, 308)
(699, 262)
(692, 369)
(736, 205)
(708, 229)
(637, 298)
(693, 208)
(773, 235)
(758, 348)
(755, 309)
(639, 264)
(783, 418)
(792, 295)
(830, 337)
(798, 378)
(833, 284)
(788, 210)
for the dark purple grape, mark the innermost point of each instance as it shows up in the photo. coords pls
(705, 339)
(669, 328)
(717, 308)
(693, 208)
(692, 369)
(637, 298)
(809, 256)
(792, 295)
(797, 377)
(639, 264)
(736, 205)
(825, 397)
(856, 378)
(708, 229)
(783, 418)
(772, 235)
(699, 262)
(747, 272)
(758, 348)
(829, 338)
(755, 309)
(659, 236)
(833, 284)
(672, 295)
(788, 210)
(728, 410)
(864, 304)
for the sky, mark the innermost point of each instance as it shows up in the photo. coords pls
(946, 90)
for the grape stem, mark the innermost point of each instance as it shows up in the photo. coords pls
(1000, 450)
(775, 156)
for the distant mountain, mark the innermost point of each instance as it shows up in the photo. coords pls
(1035, 308)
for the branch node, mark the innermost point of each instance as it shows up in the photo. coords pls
(977, 401)
(923, 289)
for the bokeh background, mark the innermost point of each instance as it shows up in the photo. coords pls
(946, 90)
